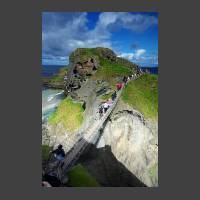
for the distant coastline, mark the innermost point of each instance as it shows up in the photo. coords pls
(50, 70)
(152, 70)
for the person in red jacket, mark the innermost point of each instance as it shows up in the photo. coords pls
(119, 86)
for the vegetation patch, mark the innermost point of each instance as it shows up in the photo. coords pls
(46, 152)
(153, 170)
(83, 54)
(79, 177)
(69, 113)
(110, 70)
(106, 96)
(142, 94)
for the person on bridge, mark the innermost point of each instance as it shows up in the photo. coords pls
(114, 95)
(100, 111)
(105, 107)
(125, 79)
(119, 86)
(110, 102)
(59, 153)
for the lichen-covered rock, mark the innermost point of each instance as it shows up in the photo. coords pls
(133, 141)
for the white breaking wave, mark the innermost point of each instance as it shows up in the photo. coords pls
(52, 97)
(49, 107)
(50, 100)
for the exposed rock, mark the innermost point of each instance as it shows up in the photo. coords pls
(82, 65)
(106, 53)
(133, 141)
(84, 62)
(107, 170)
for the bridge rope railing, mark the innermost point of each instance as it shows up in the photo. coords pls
(90, 136)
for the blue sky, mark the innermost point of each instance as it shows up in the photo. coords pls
(130, 35)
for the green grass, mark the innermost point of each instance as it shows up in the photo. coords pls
(46, 152)
(84, 54)
(106, 96)
(79, 177)
(153, 170)
(69, 113)
(142, 94)
(109, 71)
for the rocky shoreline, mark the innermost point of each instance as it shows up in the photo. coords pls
(55, 85)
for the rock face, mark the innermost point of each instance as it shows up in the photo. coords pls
(134, 143)
(84, 62)
(89, 94)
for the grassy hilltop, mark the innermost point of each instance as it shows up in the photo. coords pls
(142, 94)
(110, 71)
(110, 66)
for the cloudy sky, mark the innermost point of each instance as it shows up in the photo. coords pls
(130, 35)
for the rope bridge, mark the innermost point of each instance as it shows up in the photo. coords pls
(91, 135)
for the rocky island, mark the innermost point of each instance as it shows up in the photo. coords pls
(126, 153)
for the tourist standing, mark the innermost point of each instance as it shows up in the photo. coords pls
(105, 107)
(100, 111)
(114, 95)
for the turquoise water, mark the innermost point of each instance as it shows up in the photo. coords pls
(50, 97)
(50, 100)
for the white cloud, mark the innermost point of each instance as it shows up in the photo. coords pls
(128, 56)
(62, 34)
(141, 57)
(118, 20)
(138, 53)
(63, 38)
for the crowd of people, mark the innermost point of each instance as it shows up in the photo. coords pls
(107, 104)
(104, 106)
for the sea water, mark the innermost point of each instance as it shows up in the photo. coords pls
(50, 97)
(50, 100)
(152, 70)
(50, 70)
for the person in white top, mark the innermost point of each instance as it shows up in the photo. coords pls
(110, 102)
(105, 107)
